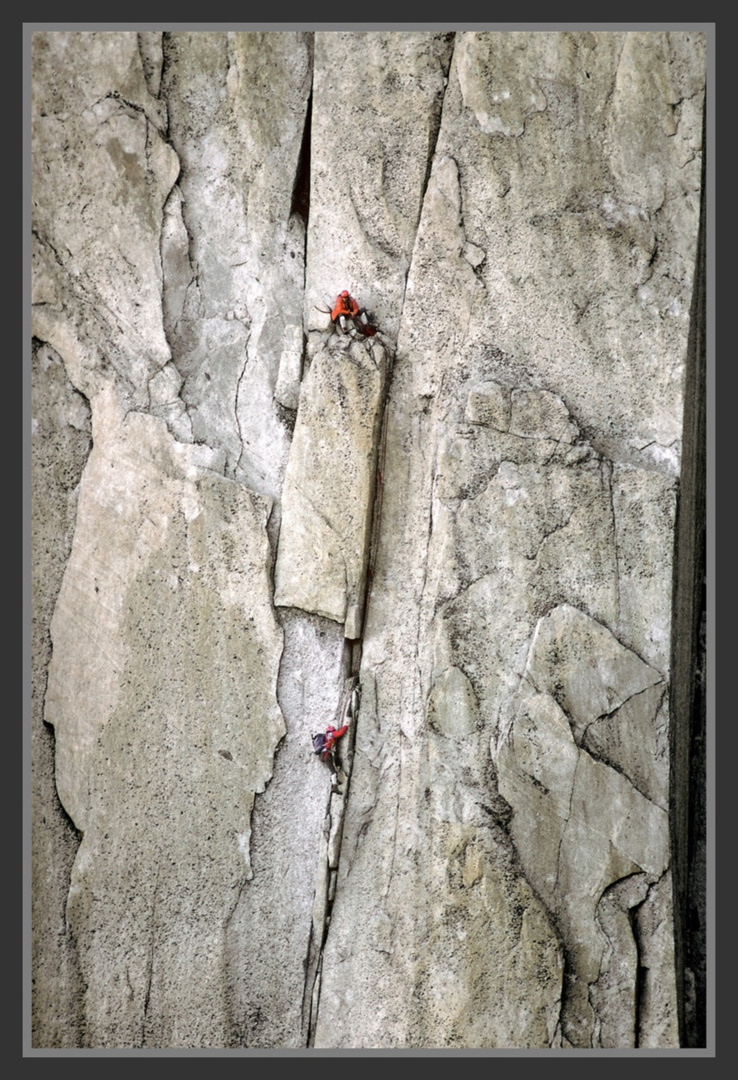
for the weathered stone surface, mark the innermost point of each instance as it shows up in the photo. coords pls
(234, 246)
(489, 404)
(590, 842)
(452, 704)
(644, 514)
(634, 739)
(269, 934)
(373, 137)
(580, 155)
(287, 389)
(499, 506)
(167, 586)
(60, 443)
(102, 172)
(518, 212)
(590, 672)
(328, 493)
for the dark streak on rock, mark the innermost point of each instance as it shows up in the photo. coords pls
(687, 702)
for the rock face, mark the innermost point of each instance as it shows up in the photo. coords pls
(580, 724)
(329, 484)
(454, 537)
(159, 773)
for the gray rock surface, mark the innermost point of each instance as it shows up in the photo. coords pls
(567, 800)
(328, 493)
(454, 537)
(234, 247)
(179, 669)
(60, 444)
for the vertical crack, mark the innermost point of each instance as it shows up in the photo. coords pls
(436, 128)
(235, 403)
(301, 190)
(347, 712)
(607, 470)
(150, 973)
(687, 692)
(434, 134)
(640, 987)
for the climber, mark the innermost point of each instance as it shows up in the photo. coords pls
(346, 307)
(325, 744)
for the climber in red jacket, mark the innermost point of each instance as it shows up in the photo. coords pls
(325, 744)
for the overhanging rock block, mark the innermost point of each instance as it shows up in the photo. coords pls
(329, 484)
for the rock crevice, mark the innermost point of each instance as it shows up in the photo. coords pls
(458, 535)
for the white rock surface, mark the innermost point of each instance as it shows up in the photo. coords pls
(591, 842)
(328, 494)
(164, 627)
(238, 509)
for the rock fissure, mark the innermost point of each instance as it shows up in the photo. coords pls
(607, 472)
(237, 418)
(150, 964)
(641, 972)
(460, 541)
(346, 713)
(301, 190)
(445, 64)
(348, 707)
